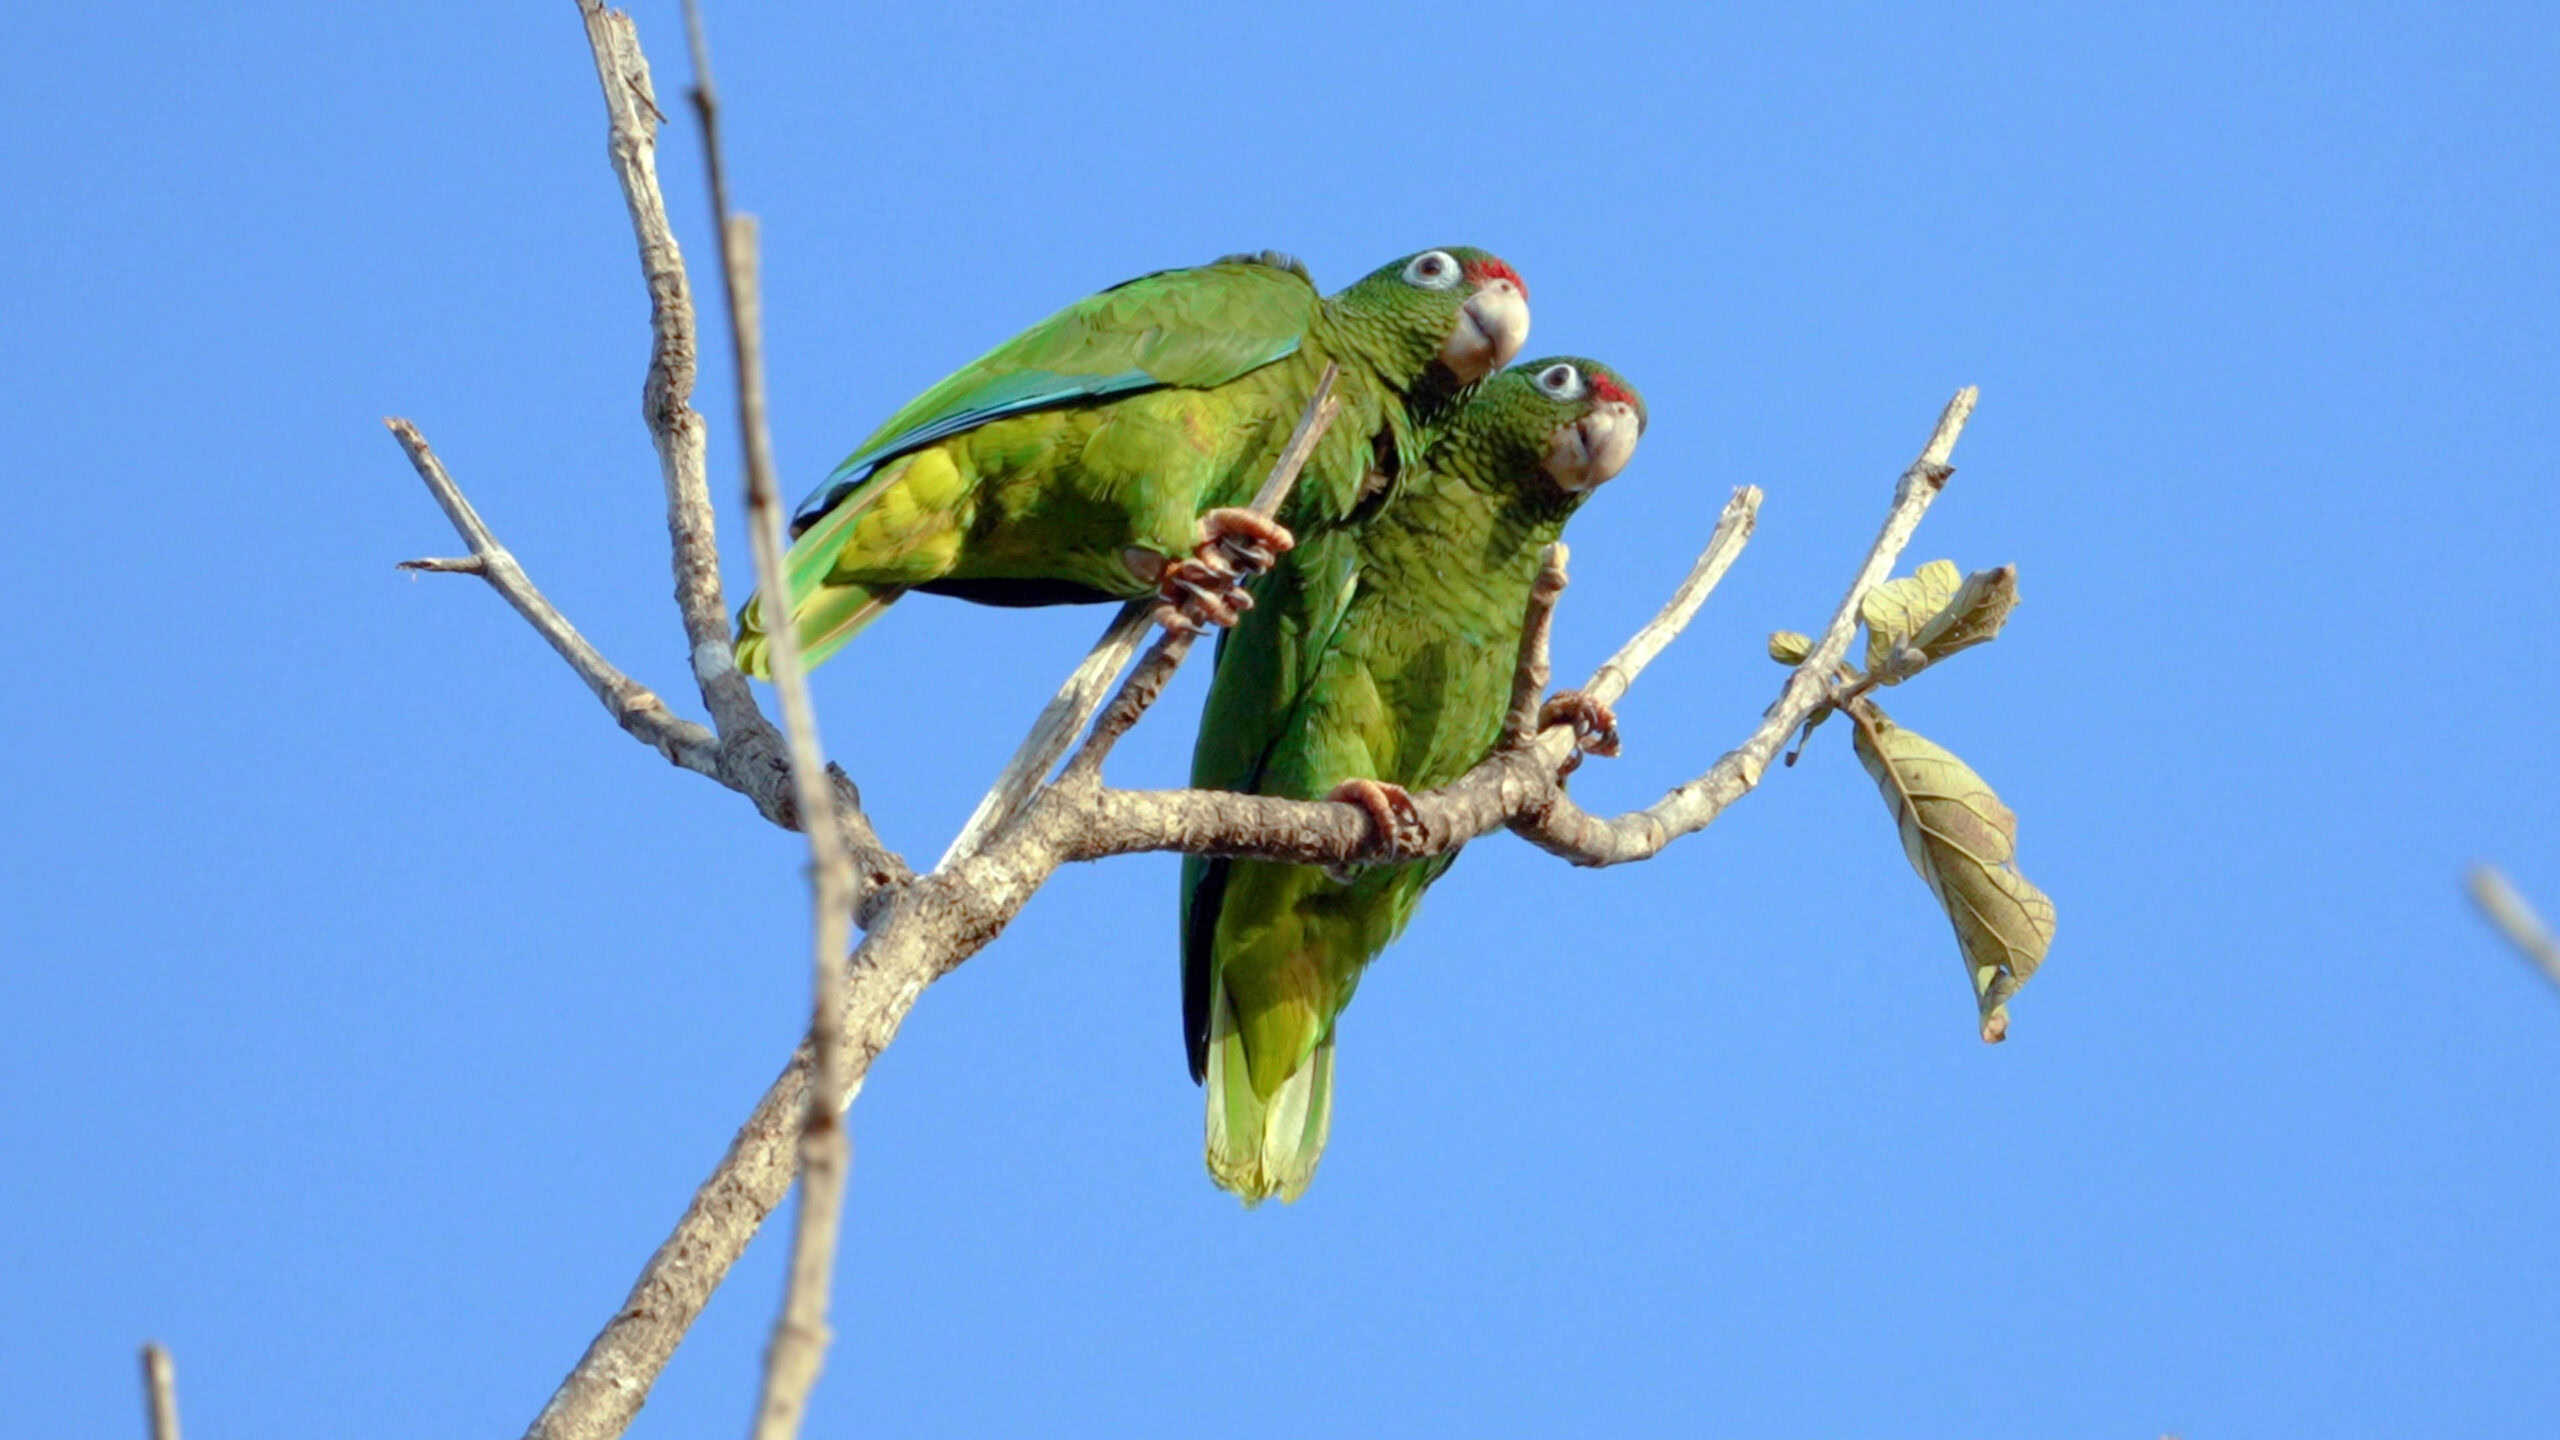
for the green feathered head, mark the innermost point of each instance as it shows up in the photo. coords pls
(1572, 420)
(1464, 308)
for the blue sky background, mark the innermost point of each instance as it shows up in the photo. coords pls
(372, 1006)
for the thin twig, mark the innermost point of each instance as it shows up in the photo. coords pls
(1567, 830)
(633, 116)
(2508, 910)
(797, 1350)
(160, 1392)
(1529, 677)
(1148, 681)
(1733, 531)
(1056, 728)
(634, 706)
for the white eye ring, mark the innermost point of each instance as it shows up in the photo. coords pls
(1433, 270)
(1562, 381)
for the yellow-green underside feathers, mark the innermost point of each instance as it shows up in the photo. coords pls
(1262, 1148)
(825, 616)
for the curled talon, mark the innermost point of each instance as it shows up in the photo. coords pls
(1246, 540)
(1394, 819)
(1204, 592)
(1595, 726)
(1247, 559)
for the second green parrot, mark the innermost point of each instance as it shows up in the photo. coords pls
(1376, 657)
(1102, 453)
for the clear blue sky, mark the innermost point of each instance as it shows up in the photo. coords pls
(372, 1005)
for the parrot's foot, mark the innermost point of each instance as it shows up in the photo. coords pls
(1595, 726)
(1198, 594)
(1208, 588)
(1247, 540)
(1394, 820)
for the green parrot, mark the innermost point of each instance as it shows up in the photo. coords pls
(1102, 454)
(1378, 656)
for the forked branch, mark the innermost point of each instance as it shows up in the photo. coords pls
(634, 706)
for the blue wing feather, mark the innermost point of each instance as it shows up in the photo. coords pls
(1008, 395)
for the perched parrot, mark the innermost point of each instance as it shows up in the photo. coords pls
(1102, 453)
(1378, 656)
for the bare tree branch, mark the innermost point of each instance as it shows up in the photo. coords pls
(634, 706)
(944, 918)
(1724, 545)
(160, 1392)
(1529, 677)
(800, 1334)
(797, 1350)
(1565, 829)
(753, 755)
(1056, 727)
(2514, 917)
(631, 107)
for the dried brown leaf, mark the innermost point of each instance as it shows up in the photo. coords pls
(1976, 613)
(1897, 609)
(1964, 843)
(1937, 613)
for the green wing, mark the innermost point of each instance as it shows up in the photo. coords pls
(1265, 674)
(1196, 328)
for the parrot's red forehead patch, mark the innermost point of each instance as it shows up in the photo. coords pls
(1608, 389)
(1494, 267)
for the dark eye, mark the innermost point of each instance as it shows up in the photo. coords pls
(1562, 381)
(1432, 270)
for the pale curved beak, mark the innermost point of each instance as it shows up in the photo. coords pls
(1589, 452)
(1492, 326)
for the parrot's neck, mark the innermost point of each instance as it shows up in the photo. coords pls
(1458, 508)
(1403, 356)
(1413, 392)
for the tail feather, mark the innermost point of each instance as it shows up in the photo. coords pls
(824, 620)
(1260, 1148)
(825, 613)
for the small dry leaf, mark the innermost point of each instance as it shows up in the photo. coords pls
(1936, 613)
(1788, 647)
(1980, 607)
(1964, 843)
(1895, 610)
